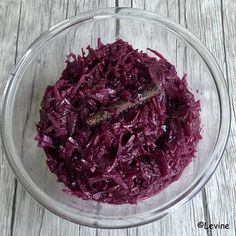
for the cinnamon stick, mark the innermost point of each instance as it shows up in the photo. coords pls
(122, 105)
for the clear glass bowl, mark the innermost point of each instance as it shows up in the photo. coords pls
(42, 65)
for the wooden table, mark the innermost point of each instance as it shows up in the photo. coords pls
(214, 22)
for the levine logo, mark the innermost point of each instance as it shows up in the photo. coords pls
(212, 226)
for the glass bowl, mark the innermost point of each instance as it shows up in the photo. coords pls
(42, 65)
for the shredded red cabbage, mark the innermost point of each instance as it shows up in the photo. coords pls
(132, 155)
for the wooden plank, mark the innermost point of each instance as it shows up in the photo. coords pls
(209, 16)
(36, 17)
(184, 221)
(221, 191)
(85, 230)
(123, 3)
(169, 225)
(8, 47)
(28, 212)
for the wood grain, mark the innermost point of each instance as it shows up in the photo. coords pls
(35, 18)
(8, 47)
(221, 191)
(213, 21)
(194, 210)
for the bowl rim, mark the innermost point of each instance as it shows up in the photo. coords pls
(225, 118)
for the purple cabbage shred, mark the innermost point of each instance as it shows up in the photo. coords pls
(133, 155)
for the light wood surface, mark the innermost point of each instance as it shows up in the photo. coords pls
(214, 22)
